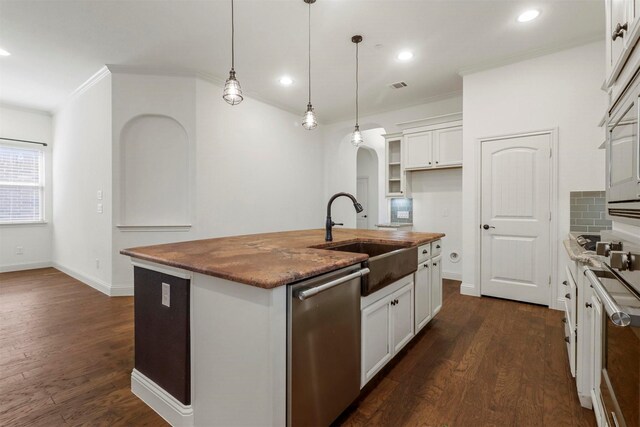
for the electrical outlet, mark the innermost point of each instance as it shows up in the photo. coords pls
(166, 295)
(99, 208)
(19, 250)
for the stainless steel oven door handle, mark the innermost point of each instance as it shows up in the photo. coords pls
(615, 313)
(308, 293)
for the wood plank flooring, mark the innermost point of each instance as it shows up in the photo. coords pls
(66, 353)
(480, 362)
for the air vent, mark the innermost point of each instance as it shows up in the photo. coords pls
(398, 85)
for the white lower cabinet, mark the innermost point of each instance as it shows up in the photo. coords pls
(596, 361)
(422, 295)
(436, 285)
(387, 326)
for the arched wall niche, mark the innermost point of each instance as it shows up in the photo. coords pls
(154, 173)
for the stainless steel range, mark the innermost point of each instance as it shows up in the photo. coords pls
(618, 287)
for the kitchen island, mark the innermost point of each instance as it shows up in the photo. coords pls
(211, 318)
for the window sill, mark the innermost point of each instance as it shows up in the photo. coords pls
(23, 224)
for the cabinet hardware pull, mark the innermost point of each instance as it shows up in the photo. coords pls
(588, 305)
(424, 251)
(567, 339)
(565, 283)
(619, 31)
(568, 296)
(564, 320)
(426, 266)
(435, 264)
(437, 246)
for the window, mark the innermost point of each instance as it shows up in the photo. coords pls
(21, 184)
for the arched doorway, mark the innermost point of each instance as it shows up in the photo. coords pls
(367, 187)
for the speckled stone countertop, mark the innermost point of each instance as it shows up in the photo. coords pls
(578, 253)
(272, 259)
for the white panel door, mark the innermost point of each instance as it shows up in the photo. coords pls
(417, 150)
(447, 147)
(515, 257)
(376, 338)
(362, 194)
(422, 280)
(402, 317)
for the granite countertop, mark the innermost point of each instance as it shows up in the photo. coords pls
(578, 253)
(395, 224)
(272, 259)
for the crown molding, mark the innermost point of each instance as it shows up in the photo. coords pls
(530, 54)
(90, 82)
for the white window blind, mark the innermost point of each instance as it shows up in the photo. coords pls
(21, 184)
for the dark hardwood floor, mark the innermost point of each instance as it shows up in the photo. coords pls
(66, 353)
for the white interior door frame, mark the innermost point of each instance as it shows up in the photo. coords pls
(554, 301)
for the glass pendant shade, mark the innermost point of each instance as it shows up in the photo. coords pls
(356, 137)
(232, 91)
(309, 120)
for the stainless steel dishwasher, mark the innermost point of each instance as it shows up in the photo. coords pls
(323, 346)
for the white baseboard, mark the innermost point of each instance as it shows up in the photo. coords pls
(167, 406)
(451, 275)
(25, 266)
(105, 288)
(469, 289)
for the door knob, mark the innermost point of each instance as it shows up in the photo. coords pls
(364, 216)
(487, 226)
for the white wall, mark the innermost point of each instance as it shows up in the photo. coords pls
(368, 165)
(562, 91)
(253, 167)
(82, 166)
(35, 239)
(437, 206)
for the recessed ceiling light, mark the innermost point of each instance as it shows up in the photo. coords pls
(405, 55)
(4, 52)
(286, 81)
(528, 15)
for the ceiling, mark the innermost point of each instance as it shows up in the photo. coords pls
(57, 45)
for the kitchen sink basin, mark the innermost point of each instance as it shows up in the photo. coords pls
(387, 262)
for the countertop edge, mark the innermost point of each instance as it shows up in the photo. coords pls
(287, 279)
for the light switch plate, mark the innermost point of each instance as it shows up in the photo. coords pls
(99, 194)
(403, 214)
(99, 209)
(166, 295)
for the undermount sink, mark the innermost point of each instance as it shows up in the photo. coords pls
(387, 262)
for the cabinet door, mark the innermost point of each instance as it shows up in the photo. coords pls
(596, 345)
(618, 11)
(376, 338)
(447, 147)
(422, 284)
(402, 317)
(436, 285)
(417, 150)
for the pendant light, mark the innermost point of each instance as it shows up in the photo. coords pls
(232, 91)
(309, 121)
(356, 136)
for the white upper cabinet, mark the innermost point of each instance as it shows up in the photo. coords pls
(447, 147)
(622, 35)
(432, 147)
(418, 150)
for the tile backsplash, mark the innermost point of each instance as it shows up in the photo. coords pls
(588, 212)
(402, 210)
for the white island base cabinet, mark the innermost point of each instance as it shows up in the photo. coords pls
(387, 326)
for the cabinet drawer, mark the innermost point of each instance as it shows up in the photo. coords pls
(424, 252)
(436, 248)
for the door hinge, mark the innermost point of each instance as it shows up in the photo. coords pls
(550, 152)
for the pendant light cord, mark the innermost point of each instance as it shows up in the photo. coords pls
(357, 83)
(309, 52)
(233, 32)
